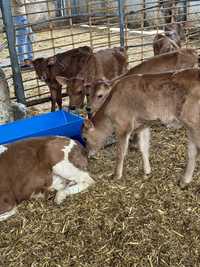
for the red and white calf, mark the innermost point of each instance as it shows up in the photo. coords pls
(33, 167)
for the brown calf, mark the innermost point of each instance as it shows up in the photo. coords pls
(104, 64)
(170, 40)
(140, 99)
(33, 167)
(66, 64)
(184, 58)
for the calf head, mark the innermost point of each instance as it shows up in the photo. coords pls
(41, 66)
(75, 90)
(177, 30)
(93, 137)
(97, 94)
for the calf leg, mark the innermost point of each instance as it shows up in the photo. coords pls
(58, 184)
(122, 146)
(77, 180)
(192, 154)
(61, 193)
(59, 97)
(144, 138)
(53, 99)
(73, 188)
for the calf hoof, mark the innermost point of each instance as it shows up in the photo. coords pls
(147, 171)
(182, 184)
(60, 197)
(118, 176)
(110, 176)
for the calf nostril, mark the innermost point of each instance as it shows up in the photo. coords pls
(88, 109)
(89, 115)
(72, 107)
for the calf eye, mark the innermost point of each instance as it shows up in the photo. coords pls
(100, 96)
(79, 92)
(85, 139)
(5, 200)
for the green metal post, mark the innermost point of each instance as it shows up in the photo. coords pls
(10, 33)
(121, 21)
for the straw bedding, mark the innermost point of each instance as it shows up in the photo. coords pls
(135, 221)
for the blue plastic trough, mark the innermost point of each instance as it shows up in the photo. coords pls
(59, 123)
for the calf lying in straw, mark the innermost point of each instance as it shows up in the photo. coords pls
(140, 99)
(33, 167)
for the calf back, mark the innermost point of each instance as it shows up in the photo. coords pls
(184, 58)
(107, 63)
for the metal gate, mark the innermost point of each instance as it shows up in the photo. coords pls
(59, 25)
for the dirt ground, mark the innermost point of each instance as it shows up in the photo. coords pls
(138, 221)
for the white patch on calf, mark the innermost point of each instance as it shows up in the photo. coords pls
(3, 149)
(57, 183)
(8, 214)
(66, 170)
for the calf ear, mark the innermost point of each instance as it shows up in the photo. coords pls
(108, 82)
(51, 61)
(62, 80)
(88, 124)
(31, 63)
(85, 50)
(37, 61)
(87, 84)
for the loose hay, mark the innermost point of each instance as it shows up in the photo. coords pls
(136, 221)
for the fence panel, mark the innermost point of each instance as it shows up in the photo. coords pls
(59, 25)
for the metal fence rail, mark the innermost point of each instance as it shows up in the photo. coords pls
(59, 25)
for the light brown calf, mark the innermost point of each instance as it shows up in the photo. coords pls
(101, 65)
(184, 58)
(33, 167)
(140, 99)
(170, 40)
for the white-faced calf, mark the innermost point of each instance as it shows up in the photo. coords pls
(140, 99)
(33, 167)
